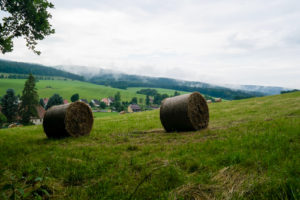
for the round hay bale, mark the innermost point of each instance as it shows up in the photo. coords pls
(188, 112)
(74, 119)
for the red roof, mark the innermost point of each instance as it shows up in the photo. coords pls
(107, 101)
(65, 101)
(40, 111)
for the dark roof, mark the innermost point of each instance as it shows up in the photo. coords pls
(96, 101)
(84, 100)
(135, 107)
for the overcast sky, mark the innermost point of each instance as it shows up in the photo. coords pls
(215, 41)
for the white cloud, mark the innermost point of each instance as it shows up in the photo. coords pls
(241, 42)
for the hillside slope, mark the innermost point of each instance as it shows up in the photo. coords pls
(126, 80)
(249, 151)
(123, 81)
(46, 88)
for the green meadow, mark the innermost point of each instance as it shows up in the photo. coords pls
(46, 88)
(66, 88)
(249, 151)
(105, 114)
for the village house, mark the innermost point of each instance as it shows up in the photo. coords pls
(84, 101)
(40, 115)
(107, 101)
(218, 100)
(133, 108)
(151, 99)
(208, 101)
(154, 107)
(45, 101)
(66, 101)
(95, 102)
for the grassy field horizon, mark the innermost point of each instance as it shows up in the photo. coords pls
(250, 150)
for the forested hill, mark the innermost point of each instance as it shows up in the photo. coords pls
(123, 81)
(26, 68)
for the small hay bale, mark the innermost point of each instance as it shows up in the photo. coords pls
(74, 119)
(188, 112)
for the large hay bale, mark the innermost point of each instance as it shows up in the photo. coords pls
(74, 119)
(188, 112)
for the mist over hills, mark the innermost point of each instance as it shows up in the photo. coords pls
(267, 90)
(120, 80)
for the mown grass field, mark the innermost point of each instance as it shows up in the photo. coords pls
(67, 88)
(249, 151)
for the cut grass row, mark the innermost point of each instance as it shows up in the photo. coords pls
(249, 151)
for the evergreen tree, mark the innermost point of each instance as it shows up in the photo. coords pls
(75, 97)
(118, 97)
(117, 102)
(92, 104)
(3, 119)
(176, 93)
(141, 100)
(157, 99)
(9, 104)
(102, 105)
(30, 100)
(42, 103)
(134, 100)
(147, 100)
(56, 99)
(163, 96)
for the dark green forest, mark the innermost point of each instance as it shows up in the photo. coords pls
(35, 69)
(124, 81)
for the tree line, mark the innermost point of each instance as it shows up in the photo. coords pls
(289, 91)
(124, 81)
(25, 76)
(24, 107)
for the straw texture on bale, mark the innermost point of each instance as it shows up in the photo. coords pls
(188, 112)
(74, 119)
